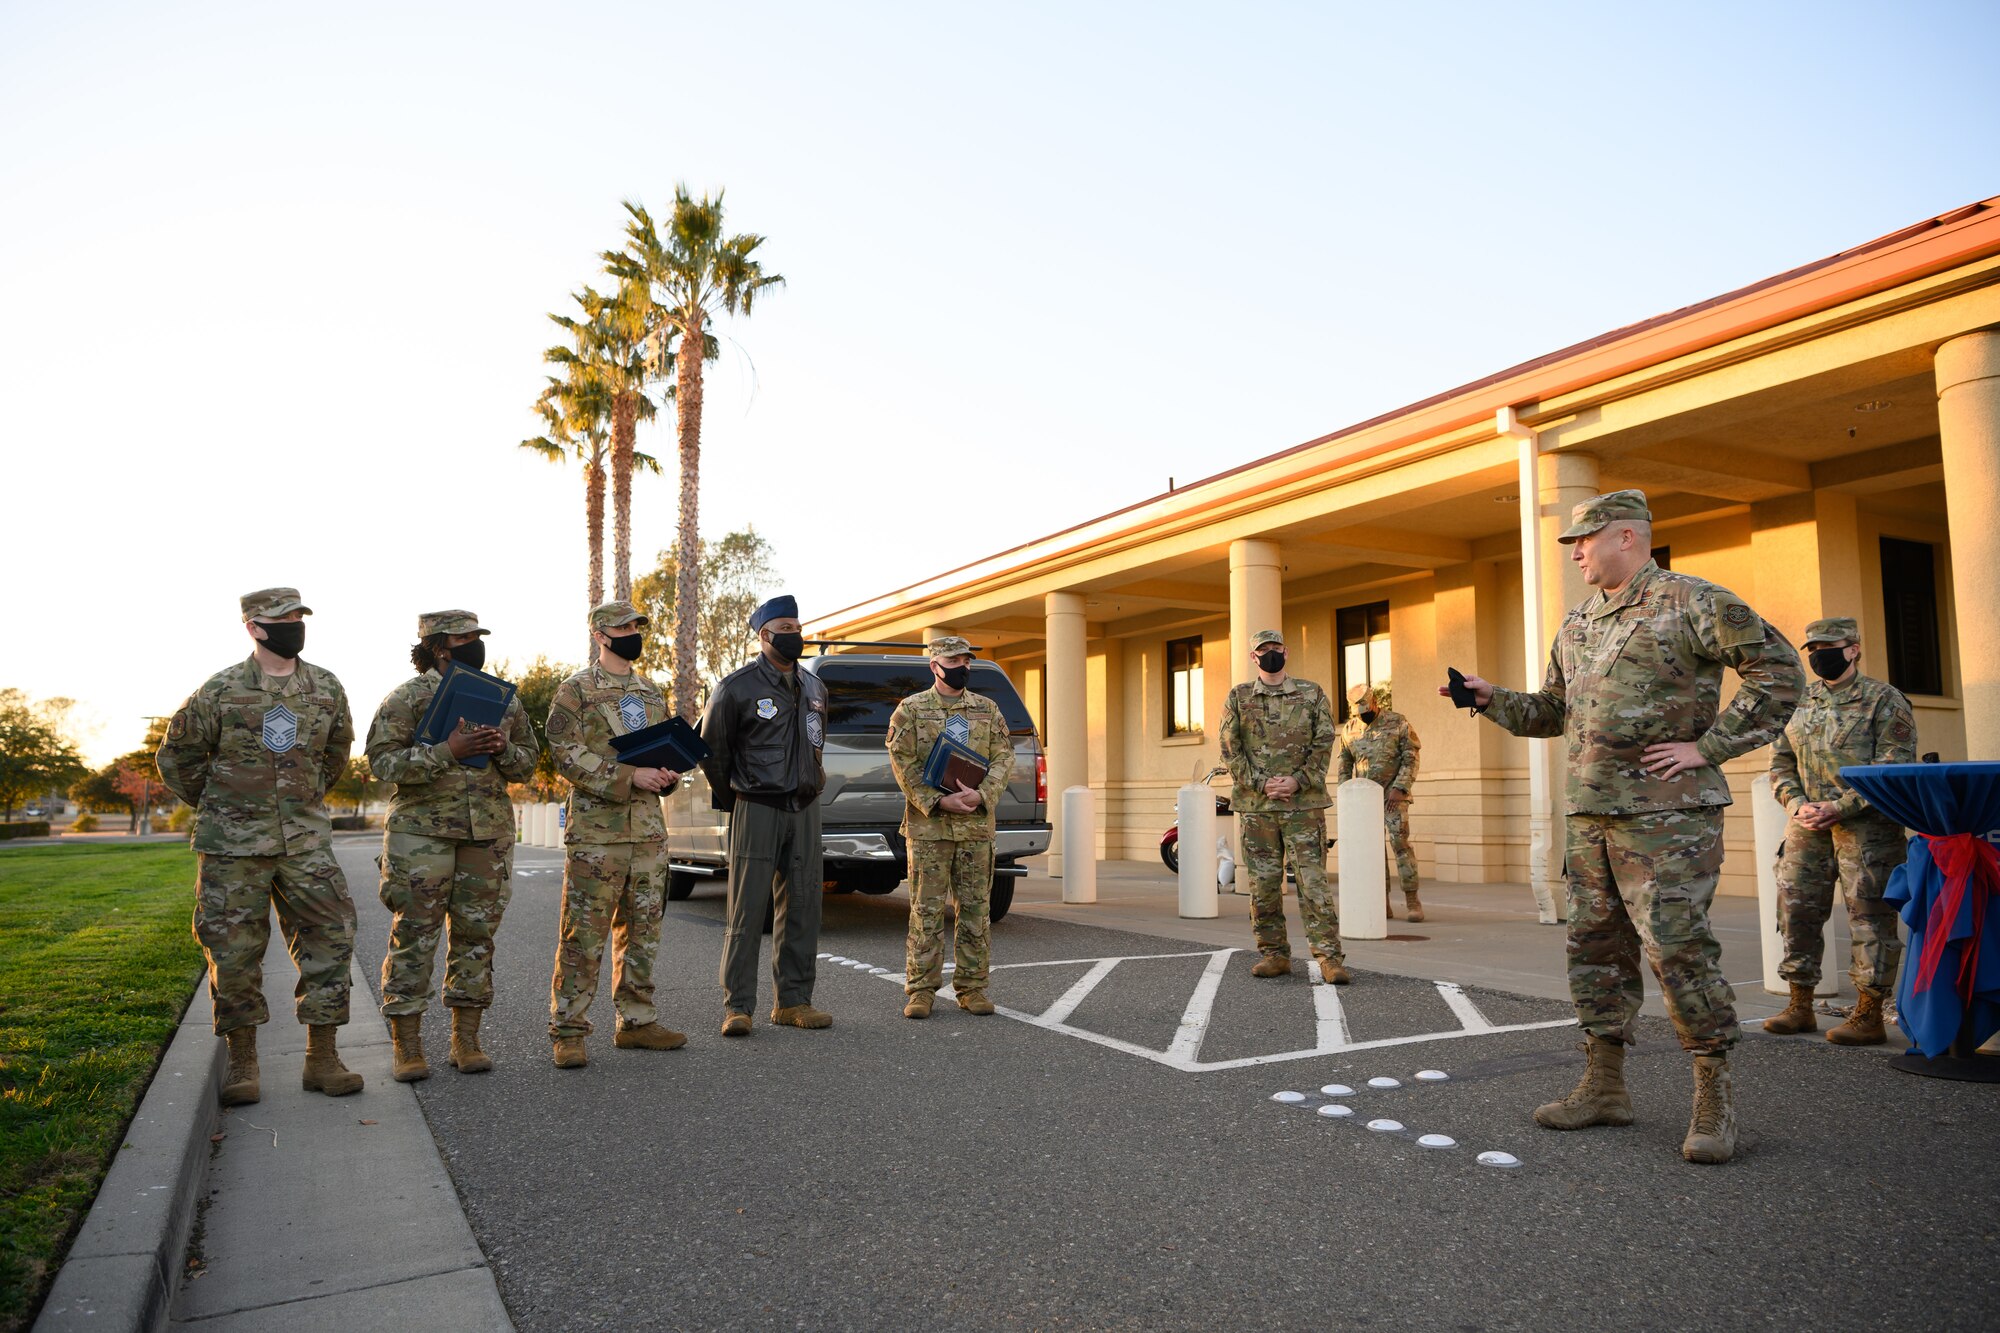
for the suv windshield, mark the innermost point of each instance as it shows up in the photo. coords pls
(862, 695)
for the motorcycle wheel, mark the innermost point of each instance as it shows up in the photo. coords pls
(1170, 852)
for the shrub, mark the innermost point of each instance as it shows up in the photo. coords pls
(181, 820)
(28, 828)
(85, 823)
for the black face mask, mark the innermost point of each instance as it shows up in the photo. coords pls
(955, 676)
(788, 646)
(627, 646)
(1828, 663)
(1368, 716)
(286, 638)
(1271, 663)
(471, 655)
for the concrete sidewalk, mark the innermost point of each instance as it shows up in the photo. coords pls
(334, 1210)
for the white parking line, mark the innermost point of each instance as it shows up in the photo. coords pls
(1194, 1019)
(1462, 1006)
(1076, 994)
(1326, 1005)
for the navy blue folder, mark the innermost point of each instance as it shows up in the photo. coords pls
(477, 698)
(672, 744)
(950, 763)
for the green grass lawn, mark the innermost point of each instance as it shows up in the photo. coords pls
(96, 964)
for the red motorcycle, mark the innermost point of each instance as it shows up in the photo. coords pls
(1170, 841)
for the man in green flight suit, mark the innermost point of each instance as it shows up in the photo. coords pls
(950, 834)
(1277, 738)
(1834, 834)
(254, 751)
(1379, 744)
(448, 846)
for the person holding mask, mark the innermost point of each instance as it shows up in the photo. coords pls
(1835, 835)
(614, 843)
(1381, 745)
(1277, 738)
(950, 834)
(254, 751)
(765, 727)
(447, 848)
(1635, 684)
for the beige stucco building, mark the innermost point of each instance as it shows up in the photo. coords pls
(1824, 442)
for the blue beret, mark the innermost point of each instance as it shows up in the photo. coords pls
(777, 608)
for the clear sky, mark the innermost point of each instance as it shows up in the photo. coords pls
(273, 277)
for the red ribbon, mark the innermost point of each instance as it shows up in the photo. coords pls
(1969, 864)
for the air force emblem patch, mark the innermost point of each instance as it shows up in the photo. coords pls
(632, 712)
(958, 729)
(767, 709)
(281, 729)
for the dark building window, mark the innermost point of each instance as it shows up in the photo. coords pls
(1184, 687)
(1663, 556)
(1362, 634)
(1910, 605)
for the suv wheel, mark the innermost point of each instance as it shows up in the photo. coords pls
(1003, 896)
(679, 886)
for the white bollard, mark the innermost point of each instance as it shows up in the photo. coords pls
(1768, 823)
(1079, 845)
(1364, 877)
(558, 817)
(538, 824)
(1196, 806)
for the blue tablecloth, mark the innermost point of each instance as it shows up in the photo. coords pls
(1941, 800)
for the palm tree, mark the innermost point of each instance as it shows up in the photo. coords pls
(617, 335)
(674, 285)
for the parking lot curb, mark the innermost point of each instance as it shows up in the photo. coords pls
(125, 1266)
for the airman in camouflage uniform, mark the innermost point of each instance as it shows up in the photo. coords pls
(1834, 834)
(615, 842)
(447, 849)
(1277, 741)
(950, 834)
(1634, 684)
(1379, 744)
(254, 751)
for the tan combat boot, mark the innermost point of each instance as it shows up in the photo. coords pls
(801, 1016)
(648, 1037)
(1333, 973)
(1600, 1098)
(919, 1004)
(239, 1085)
(1712, 1129)
(1798, 1015)
(324, 1072)
(1272, 965)
(1864, 1022)
(466, 1057)
(974, 1002)
(569, 1053)
(736, 1025)
(406, 1031)
(1414, 908)
(1389, 904)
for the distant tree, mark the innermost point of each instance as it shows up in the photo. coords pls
(37, 757)
(535, 686)
(98, 790)
(737, 572)
(137, 779)
(357, 786)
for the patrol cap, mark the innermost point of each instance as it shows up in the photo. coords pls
(612, 615)
(448, 622)
(782, 607)
(270, 603)
(1264, 636)
(1359, 694)
(1833, 629)
(1598, 510)
(949, 645)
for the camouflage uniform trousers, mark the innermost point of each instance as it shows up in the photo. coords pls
(1860, 853)
(610, 889)
(442, 886)
(1396, 824)
(232, 921)
(1270, 839)
(941, 870)
(1644, 882)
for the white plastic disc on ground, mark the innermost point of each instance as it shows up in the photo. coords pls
(1432, 1075)
(1385, 1126)
(1337, 1090)
(1288, 1096)
(833, 958)
(878, 971)
(827, 956)
(1438, 1141)
(1498, 1159)
(1336, 1110)
(1385, 1083)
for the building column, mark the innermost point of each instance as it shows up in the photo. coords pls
(1806, 555)
(1256, 599)
(1066, 731)
(1551, 485)
(1968, 387)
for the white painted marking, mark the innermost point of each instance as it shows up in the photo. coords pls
(1194, 1019)
(1385, 1126)
(1061, 1010)
(1498, 1159)
(1288, 1096)
(1336, 1110)
(1432, 1075)
(1337, 1090)
(1461, 1005)
(1125, 958)
(1438, 1141)
(1385, 1083)
(1332, 1019)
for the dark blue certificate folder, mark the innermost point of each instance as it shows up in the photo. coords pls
(951, 764)
(477, 698)
(672, 744)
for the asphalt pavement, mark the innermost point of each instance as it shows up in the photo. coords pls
(1108, 1153)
